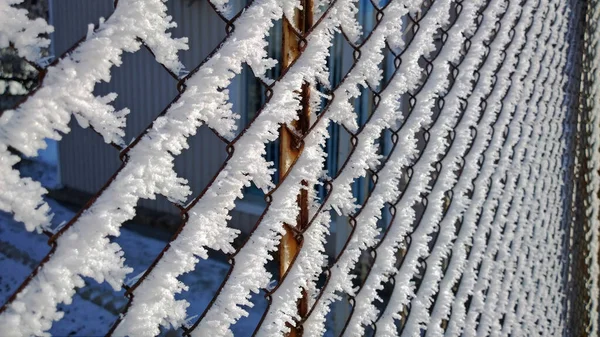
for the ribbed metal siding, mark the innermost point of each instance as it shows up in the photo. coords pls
(145, 88)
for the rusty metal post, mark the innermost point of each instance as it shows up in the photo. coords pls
(290, 146)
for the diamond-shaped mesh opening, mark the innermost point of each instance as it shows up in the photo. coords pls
(387, 67)
(140, 76)
(97, 159)
(246, 326)
(92, 311)
(340, 233)
(363, 267)
(367, 16)
(340, 59)
(383, 223)
(335, 318)
(21, 258)
(386, 145)
(68, 29)
(203, 35)
(404, 313)
(340, 312)
(422, 136)
(419, 209)
(247, 212)
(155, 219)
(384, 294)
(247, 94)
(339, 148)
(274, 51)
(467, 303)
(203, 285)
(446, 202)
(201, 161)
(272, 267)
(420, 273)
(146, 235)
(363, 186)
(364, 105)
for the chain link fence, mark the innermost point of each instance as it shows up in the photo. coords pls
(473, 133)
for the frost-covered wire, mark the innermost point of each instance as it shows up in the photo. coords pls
(492, 162)
(308, 265)
(514, 182)
(531, 189)
(450, 113)
(249, 273)
(386, 190)
(67, 88)
(283, 309)
(511, 207)
(84, 248)
(365, 312)
(207, 226)
(22, 196)
(488, 143)
(547, 283)
(487, 236)
(22, 33)
(444, 242)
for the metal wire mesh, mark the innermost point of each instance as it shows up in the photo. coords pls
(486, 180)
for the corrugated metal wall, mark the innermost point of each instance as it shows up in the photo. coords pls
(144, 87)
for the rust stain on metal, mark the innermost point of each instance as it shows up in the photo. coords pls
(291, 146)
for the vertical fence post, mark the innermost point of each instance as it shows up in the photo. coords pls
(290, 144)
(579, 318)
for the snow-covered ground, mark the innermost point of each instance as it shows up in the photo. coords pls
(96, 306)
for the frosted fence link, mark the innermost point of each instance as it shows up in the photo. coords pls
(67, 88)
(459, 197)
(471, 148)
(357, 154)
(487, 236)
(477, 94)
(364, 229)
(525, 183)
(367, 63)
(302, 69)
(532, 266)
(120, 195)
(25, 202)
(551, 209)
(446, 63)
(456, 99)
(488, 143)
(493, 261)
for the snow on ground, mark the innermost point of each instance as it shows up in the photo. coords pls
(96, 306)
